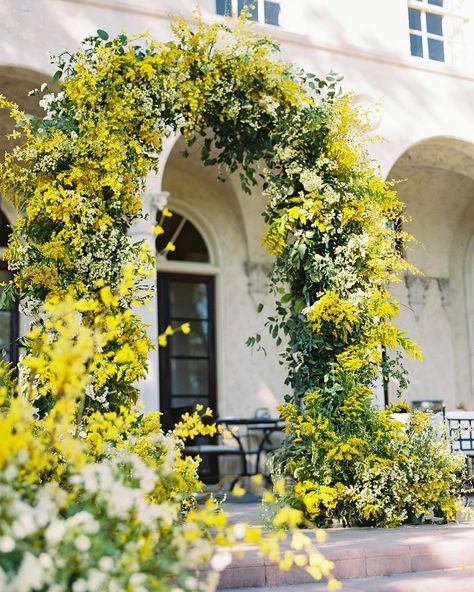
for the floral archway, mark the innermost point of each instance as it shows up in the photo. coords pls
(78, 177)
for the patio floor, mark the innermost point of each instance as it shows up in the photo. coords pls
(360, 553)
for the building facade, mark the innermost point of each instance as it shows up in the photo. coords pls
(411, 57)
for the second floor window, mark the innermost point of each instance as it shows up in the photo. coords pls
(262, 11)
(425, 19)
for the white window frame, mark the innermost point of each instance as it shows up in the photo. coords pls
(260, 4)
(425, 8)
(448, 15)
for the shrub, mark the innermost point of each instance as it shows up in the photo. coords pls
(377, 473)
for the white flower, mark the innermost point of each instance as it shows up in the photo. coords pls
(86, 521)
(191, 582)
(82, 543)
(221, 560)
(95, 581)
(310, 180)
(10, 472)
(106, 563)
(79, 586)
(24, 525)
(239, 530)
(55, 532)
(30, 575)
(46, 561)
(137, 579)
(7, 544)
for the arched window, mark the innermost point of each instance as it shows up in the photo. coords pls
(8, 318)
(186, 238)
(186, 294)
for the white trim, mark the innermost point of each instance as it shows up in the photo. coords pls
(439, 10)
(469, 296)
(189, 267)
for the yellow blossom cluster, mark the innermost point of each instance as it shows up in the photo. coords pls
(340, 315)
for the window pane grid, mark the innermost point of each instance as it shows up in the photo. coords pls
(262, 11)
(426, 32)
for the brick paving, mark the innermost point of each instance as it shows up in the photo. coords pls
(406, 554)
(453, 580)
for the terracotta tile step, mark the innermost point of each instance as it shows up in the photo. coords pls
(446, 580)
(366, 553)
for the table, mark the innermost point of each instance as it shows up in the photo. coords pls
(265, 425)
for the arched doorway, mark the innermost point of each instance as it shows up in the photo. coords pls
(8, 318)
(15, 82)
(438, 189)
(186, 293)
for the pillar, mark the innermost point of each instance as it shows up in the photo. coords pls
(154, 200)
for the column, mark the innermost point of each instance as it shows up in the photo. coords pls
(153, 200)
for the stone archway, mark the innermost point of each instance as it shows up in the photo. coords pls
(438, 188)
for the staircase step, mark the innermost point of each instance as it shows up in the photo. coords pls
(359, 553)
(445, 580)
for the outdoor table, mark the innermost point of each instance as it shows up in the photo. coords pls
(265, 425)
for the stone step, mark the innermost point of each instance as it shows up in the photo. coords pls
(444, 580)
(359, 553)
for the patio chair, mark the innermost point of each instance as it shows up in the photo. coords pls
(460, 429)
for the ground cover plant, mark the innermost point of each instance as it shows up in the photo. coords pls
(76, 177)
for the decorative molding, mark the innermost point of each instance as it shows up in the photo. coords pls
(443, 287)
(258, 283)
(417, 287)
(156, 198)
(153, 200)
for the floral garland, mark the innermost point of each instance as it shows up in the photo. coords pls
(77, 178)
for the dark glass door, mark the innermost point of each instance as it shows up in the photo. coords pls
(187, 364)
(8, 324)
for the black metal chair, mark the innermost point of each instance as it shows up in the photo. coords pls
(460, 430)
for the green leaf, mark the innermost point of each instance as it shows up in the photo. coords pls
(299, 305)
(286, 298)
(8, 296)
(102, 34)
(260, 307)
(57, 75)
